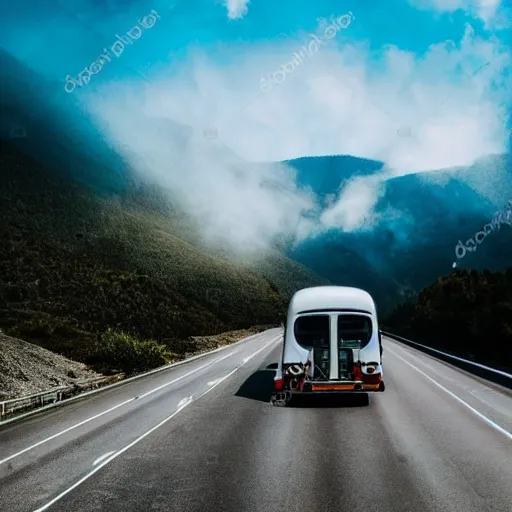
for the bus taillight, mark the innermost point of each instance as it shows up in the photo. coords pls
(372, 379)
(279, 384)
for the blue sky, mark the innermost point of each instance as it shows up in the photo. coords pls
(394, 64)
(397, 83)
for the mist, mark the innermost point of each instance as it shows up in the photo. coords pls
(198, 121)
(334, 104)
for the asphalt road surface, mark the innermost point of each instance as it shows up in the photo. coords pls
(203, 437)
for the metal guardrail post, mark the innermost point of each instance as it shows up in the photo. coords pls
(119, 379)
(37, 400)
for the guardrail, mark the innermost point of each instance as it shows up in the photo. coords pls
(50, 396)
(9, 407)
(481, 370)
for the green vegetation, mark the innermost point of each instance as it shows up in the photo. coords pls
(74, 264)
(467, 313)
(120, 352)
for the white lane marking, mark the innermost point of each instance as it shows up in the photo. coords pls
(188, 360)
(96, 416)
(140, 438)
(465, 404)
(103, 457)
(505, 374)
(244, 361)
(404, 352)
(62, 432)
(185, 401)
(110, 459)
(218, 381)
(179, 378)
(262, 348)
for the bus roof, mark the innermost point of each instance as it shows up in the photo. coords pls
(331, 297)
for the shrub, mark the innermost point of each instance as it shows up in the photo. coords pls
(119, 351)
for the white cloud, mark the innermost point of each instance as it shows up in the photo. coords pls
(487, 9)
(338, 101)
(354, 207)
(237, 8)
(240, 206)
(483, 9)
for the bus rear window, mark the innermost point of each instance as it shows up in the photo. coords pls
(354, 331)
(312, 331)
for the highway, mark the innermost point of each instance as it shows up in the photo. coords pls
(203, 437)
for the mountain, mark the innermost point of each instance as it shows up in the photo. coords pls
(324, 175)
(467, 313)
(88, 246)
(36, 118)
(332, 259)
(444, 207)
(420, 219)
(74, 263)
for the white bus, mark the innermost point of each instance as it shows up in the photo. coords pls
(332, 344)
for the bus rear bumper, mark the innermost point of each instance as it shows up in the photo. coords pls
(338, 387)
(282, 398)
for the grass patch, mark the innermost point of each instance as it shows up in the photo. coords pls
(120, 352)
